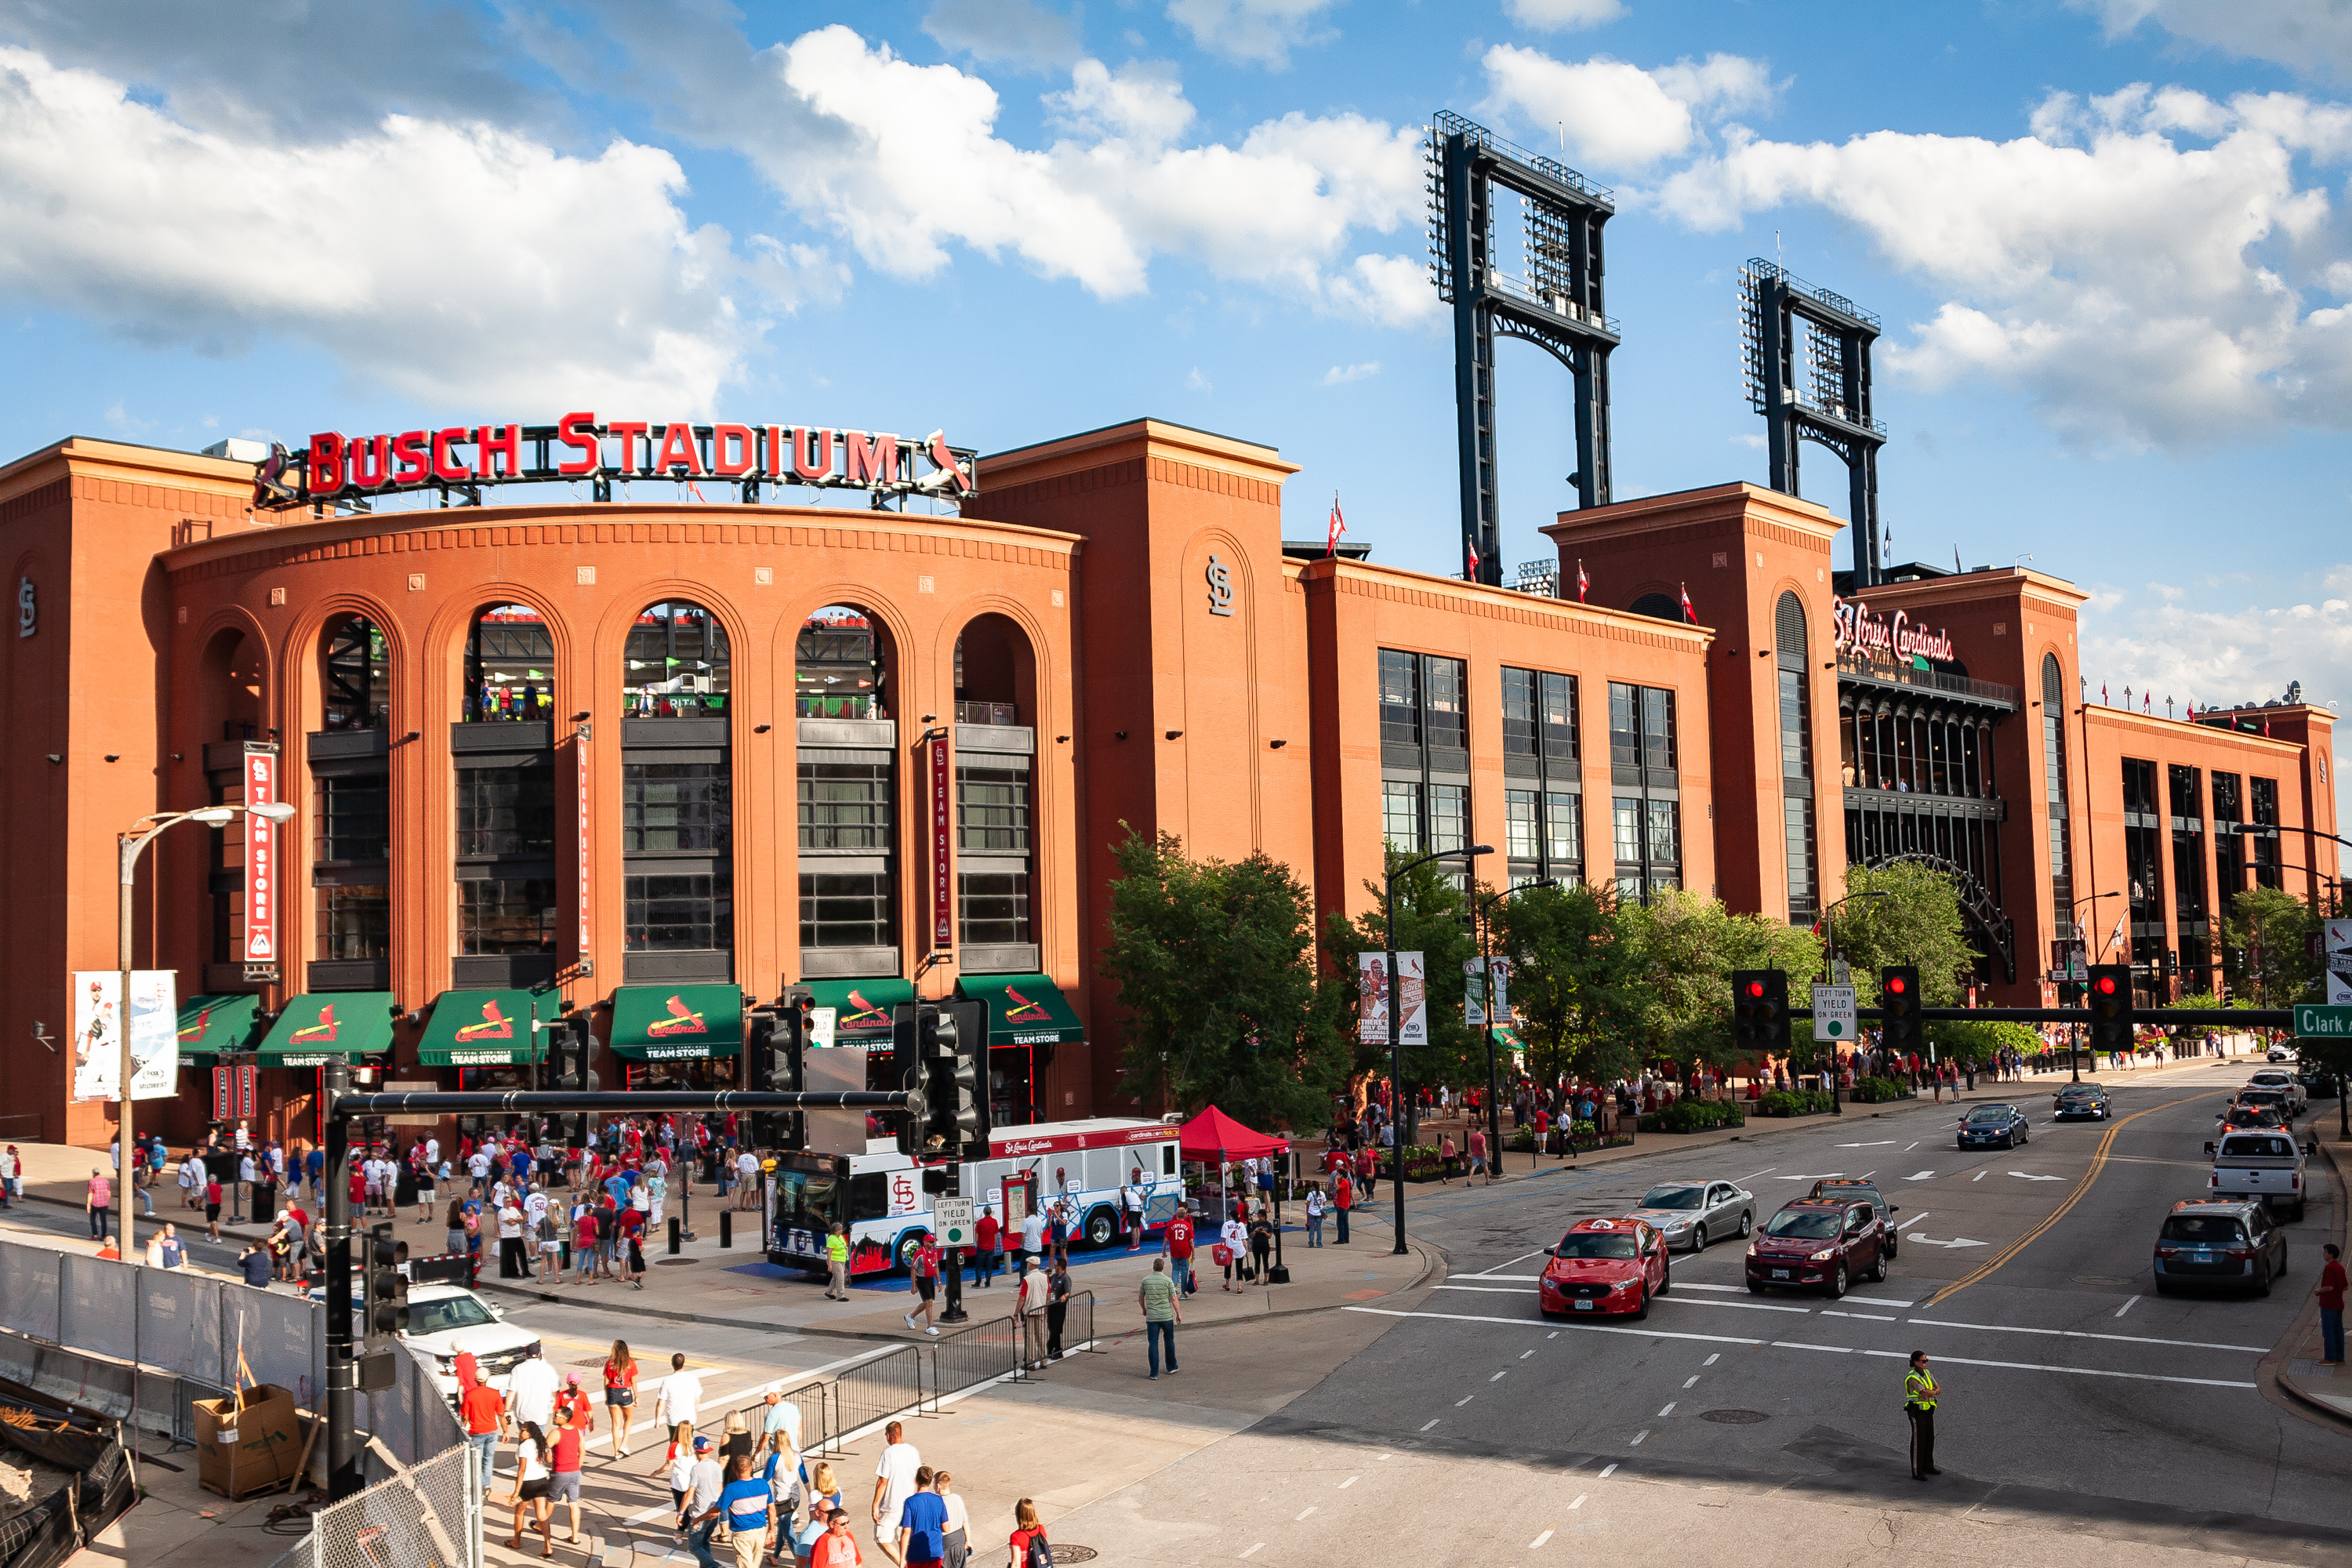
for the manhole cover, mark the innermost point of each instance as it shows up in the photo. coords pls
(673, 1262)
(1734, 1417)
(2100, 1280)
(1073, 1553)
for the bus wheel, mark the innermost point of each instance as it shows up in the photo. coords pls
(910, 1246)
(1099, 1228)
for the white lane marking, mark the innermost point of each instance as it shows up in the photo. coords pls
(1554, 1334)
(1868, 1317)
(1877, 1301)
(1522, 1258)
(1800, 1345)
(1727, 1289)
(1908, 1147)
(1580, 1328)
(2022, 1176)
(2125, 1307)
(1881, 1144)
(1669, 1410)
(1311, 1508)
(1253, 1549)
(1921, 1177)
(1978, 1177)
(2076, 1370)
(2081, 1335)
(1385, 1457)
(1915, 1219)
(1744, 1306)
(1577, 1504)
(1484, 1289)
(1539, 1539)
(1713, 1359)
(1607, 1472)
(1350, 1481)
(1691, 1382)
(1823, 1176)
(1464, 1400)
(1638, 1437)
(1499, 1377)
(1753, 1174)
(1524, 1354)
(1956, 1241)
(1425, 1428)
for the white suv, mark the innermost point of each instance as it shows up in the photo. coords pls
(2298, 1099)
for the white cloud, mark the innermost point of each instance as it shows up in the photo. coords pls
(1008, 30)
(904, 162)
(1198, 382)
(2139, 267)
(1340, 374)
(1563, 16)
(451, 263)
(1619, 116)
(2221, 657)
(2310, 36)
(1754, 442)
(1250, 32)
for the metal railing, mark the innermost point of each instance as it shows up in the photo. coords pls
(876, 1390)
(425, 1516)
(1927, 679)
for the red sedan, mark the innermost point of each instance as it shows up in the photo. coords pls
(1611, 1266)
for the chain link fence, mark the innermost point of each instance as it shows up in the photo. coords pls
(427, 1516)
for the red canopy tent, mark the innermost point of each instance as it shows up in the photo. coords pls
(1214, 1135)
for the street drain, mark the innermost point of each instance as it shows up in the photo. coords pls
(1073, 1553)
(1734, 1417)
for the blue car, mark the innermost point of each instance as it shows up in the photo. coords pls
(1991, 1126)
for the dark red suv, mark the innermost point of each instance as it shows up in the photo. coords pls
(1821, 1245)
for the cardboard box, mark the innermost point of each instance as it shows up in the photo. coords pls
(247, 1447)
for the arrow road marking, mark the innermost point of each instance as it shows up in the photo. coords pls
(2022, 1176)
(1922, 1176)
(1931, 1241)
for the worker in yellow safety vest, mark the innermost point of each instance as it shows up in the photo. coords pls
(1919, 1392)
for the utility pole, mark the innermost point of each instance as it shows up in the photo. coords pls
(343, 1478)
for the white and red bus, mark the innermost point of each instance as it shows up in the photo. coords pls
(879, 1196)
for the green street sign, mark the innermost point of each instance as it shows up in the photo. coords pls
(2313, 1022)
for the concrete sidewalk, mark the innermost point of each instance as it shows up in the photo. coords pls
(2295, 1364)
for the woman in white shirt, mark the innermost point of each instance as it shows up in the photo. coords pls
(532, 1488)
(1234, 1236)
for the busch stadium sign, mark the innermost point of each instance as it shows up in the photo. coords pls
(335, 468)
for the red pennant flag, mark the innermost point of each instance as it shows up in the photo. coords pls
(1689, 613)
(1473, 572)
(1339, 527)
(1583, 582)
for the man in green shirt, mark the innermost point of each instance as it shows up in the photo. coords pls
(837, 1264)
(1162, 1313)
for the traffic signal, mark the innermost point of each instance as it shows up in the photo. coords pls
(571, 1054)
(1760, 1012)
(774, 1040)
(2110, 1002)
(386, 1293)
(957, 1128)
(1898, 1006)
(914, 1076)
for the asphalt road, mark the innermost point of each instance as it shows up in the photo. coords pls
(2071, 1390)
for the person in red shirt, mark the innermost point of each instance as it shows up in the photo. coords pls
(564, 1461)
(2330, 1292)
(359, 1186)
(990, 1257)
(485, 1415)
(467, 1370)
(1343, 1198)
(1180, 1251)
(838, 1547)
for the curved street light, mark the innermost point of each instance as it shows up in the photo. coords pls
(131, 842)
(1483, 910)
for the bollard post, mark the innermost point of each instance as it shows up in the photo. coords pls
(726, 1228)
(673, 1236)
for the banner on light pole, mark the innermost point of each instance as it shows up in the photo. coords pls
(98, 1041)
(1375, 995)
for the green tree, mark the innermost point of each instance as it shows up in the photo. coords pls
(1576, 989)
(1215, 966)
(1684, 949)
(2266, 934)
(1976, 1040)
(1916, 921)
(1432, 919)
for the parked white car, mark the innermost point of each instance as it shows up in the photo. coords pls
(443, 1320)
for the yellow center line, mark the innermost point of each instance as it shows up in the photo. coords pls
(2098, 1162)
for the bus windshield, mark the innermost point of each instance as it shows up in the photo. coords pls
(808, 1200)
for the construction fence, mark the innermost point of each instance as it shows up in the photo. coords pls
(427, 1516)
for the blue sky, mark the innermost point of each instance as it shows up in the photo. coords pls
(2107, 238)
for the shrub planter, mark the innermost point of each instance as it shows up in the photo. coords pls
(1793, 1102)
(1879, 1090)
(1694, 1116)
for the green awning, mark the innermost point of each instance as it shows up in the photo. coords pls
(485, 1029)
(316, 1027)
(677, 1023)
(1023, 1010)
(862, 1008)
(216, 1026)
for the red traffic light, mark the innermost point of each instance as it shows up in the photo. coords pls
(1756, 988)
(2106, 984)
(1895, 983)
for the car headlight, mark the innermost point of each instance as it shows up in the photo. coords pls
(1625, 1284)
(1824, 1256)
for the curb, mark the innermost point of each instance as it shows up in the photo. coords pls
(2276, 1382)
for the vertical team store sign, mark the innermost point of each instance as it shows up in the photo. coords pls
(260, 868)
(943, 796)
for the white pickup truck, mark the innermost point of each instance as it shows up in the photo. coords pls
(2263, 1165)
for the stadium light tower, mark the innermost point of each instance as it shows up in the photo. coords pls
(1557, 306)
(1829, 403)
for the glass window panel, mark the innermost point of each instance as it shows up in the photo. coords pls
(847, 909)
(688, 911)
(993, 906)
(993, 809)
(1624, 726)
(351, 822)
(837, 667)
(676, 808)
(353, 923)
(1666, 835)
(1561, 740)
(1400, 699)
(506, 812)
(1522, 840)
(356, 670)
(1657, 728)
(510, 667)
(1400, 814)
(1449, 818)
(1447, 682)
(675, 664)
(1625, 817)
(1518, 712)
(1564, 830)
(505, 916)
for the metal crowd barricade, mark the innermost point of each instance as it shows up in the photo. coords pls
(976, 1353)
(816, 1433)
(1079, 1323)
(889, 1384)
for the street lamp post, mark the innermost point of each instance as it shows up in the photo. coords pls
(129, 843)
(1828, 958)
(1484, 909)
(1396, 1041)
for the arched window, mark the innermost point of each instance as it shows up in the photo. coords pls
(510, 667)
(837, 667)
(2053, 767)
(675, 664)
(355, 670)
(1788, 653)
(1660, 605)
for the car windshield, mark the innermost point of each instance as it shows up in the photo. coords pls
(2211, 1229)
(2256, 1148)
(446, 1313)
(1992, 1113)
(1673, 1197)
(1845, 1192)
(1806, 1224)
(2084, 1093)
(1597, 1244)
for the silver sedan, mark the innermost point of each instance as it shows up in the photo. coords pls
(1691, 1214)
